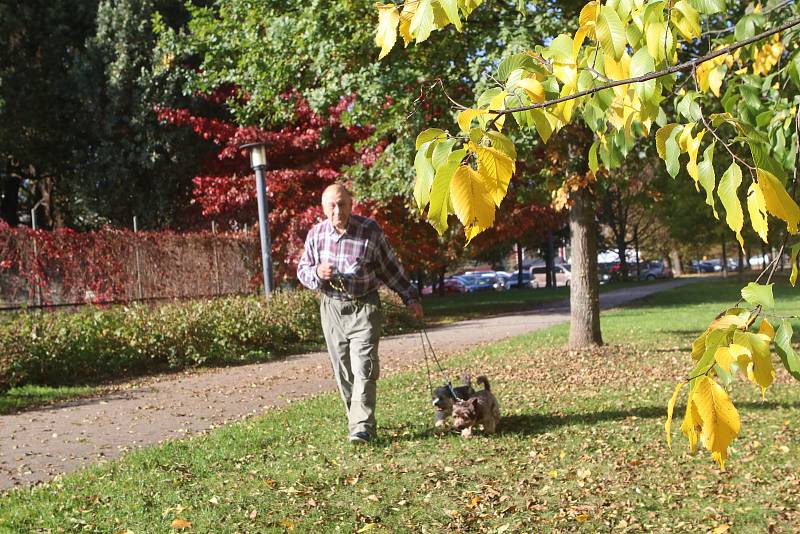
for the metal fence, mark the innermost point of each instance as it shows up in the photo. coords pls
(39, 268)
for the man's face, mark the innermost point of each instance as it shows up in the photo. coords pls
(337, 206)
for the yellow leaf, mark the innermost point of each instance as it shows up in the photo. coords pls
(496, 168)
(757, 209)
(564, 110)
(406, 16)
(566, 73)
(720, 529)
(497, 103)
(386, 35)
(580, 36)
(180, 524)
(719, 418)
(662, 135)
(582, 518)
(699, 346)
(368, 527)
(760, 370)
(533, 88)
(692, 147)
(767, 329)
(656, 35)
(724, 358)
(777, 200)
(472, 201)
(691, 421)
(466, 117)
(728, 194)
(670, 410)
(589, 14)
(741, 354)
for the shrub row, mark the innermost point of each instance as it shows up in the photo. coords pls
(92, 344)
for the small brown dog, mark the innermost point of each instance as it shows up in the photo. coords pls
(480, 409)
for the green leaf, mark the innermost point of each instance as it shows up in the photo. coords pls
(425, 173)
(502, 143)
(451, 8)
(689, 108)
(672, 153)
(440, 191)
(422, 24)
(642, 63)
(429, 135)
(708, 7)
(593, 164)
(794, 69)
(783, 346)
(560, 49)
(686, 19)
(515, 62)
(707, 177)
(759, 295)
(544, 123)
(745, 28)
(793, 261)
(611, 32)
(727, 192)
(441, 152)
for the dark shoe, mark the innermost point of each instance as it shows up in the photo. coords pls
(359, 437)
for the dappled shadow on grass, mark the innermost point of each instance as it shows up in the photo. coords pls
(532, 424)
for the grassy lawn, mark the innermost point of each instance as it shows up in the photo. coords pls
(456, 307)
(26, 397)
(581, 448)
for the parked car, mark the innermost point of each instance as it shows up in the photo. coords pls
(482, 281)
(538, 275)
(615, 271)
(451, 285)
(650, 270)
(512, 279)
(698, 266)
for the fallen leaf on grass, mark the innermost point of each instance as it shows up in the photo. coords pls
(288, 525)
(180, 524)
(582, 518)
(719, 529)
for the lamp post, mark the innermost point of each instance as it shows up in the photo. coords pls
(258, 161)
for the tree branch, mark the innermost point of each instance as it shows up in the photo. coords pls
(653, 75)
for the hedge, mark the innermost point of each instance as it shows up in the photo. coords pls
(92, 345)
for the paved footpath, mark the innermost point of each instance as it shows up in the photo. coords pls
(39, 444)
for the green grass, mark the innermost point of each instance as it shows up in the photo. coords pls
(457, 307)
(581, 448)
(26, 397)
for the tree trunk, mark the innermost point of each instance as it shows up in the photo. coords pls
(550, 262)
(675, 260)
(622, 252)
(9, 199)
(584, 296)
(740, 267)
(519, 267)
(724, 259)
(636, 248)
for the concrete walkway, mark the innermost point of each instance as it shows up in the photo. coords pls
(37, 445)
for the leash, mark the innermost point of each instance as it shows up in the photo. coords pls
(337, 283)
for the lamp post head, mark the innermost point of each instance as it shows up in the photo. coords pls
(258, 154)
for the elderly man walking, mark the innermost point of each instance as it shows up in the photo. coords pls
(346, 258)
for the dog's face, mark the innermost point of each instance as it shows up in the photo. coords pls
(443, 400)
(465, 414)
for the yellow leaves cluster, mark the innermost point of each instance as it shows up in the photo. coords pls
(725, 348)
(710, 74)
(417, 19)
(767, 56)
(573, 183)
(469, 182)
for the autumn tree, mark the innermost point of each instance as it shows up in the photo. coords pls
(615, 74)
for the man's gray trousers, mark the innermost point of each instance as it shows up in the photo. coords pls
(352, 329)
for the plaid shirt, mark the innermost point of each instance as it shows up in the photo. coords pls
(361, 256)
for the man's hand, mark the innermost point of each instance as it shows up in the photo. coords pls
(415, 308)
(325, 270)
